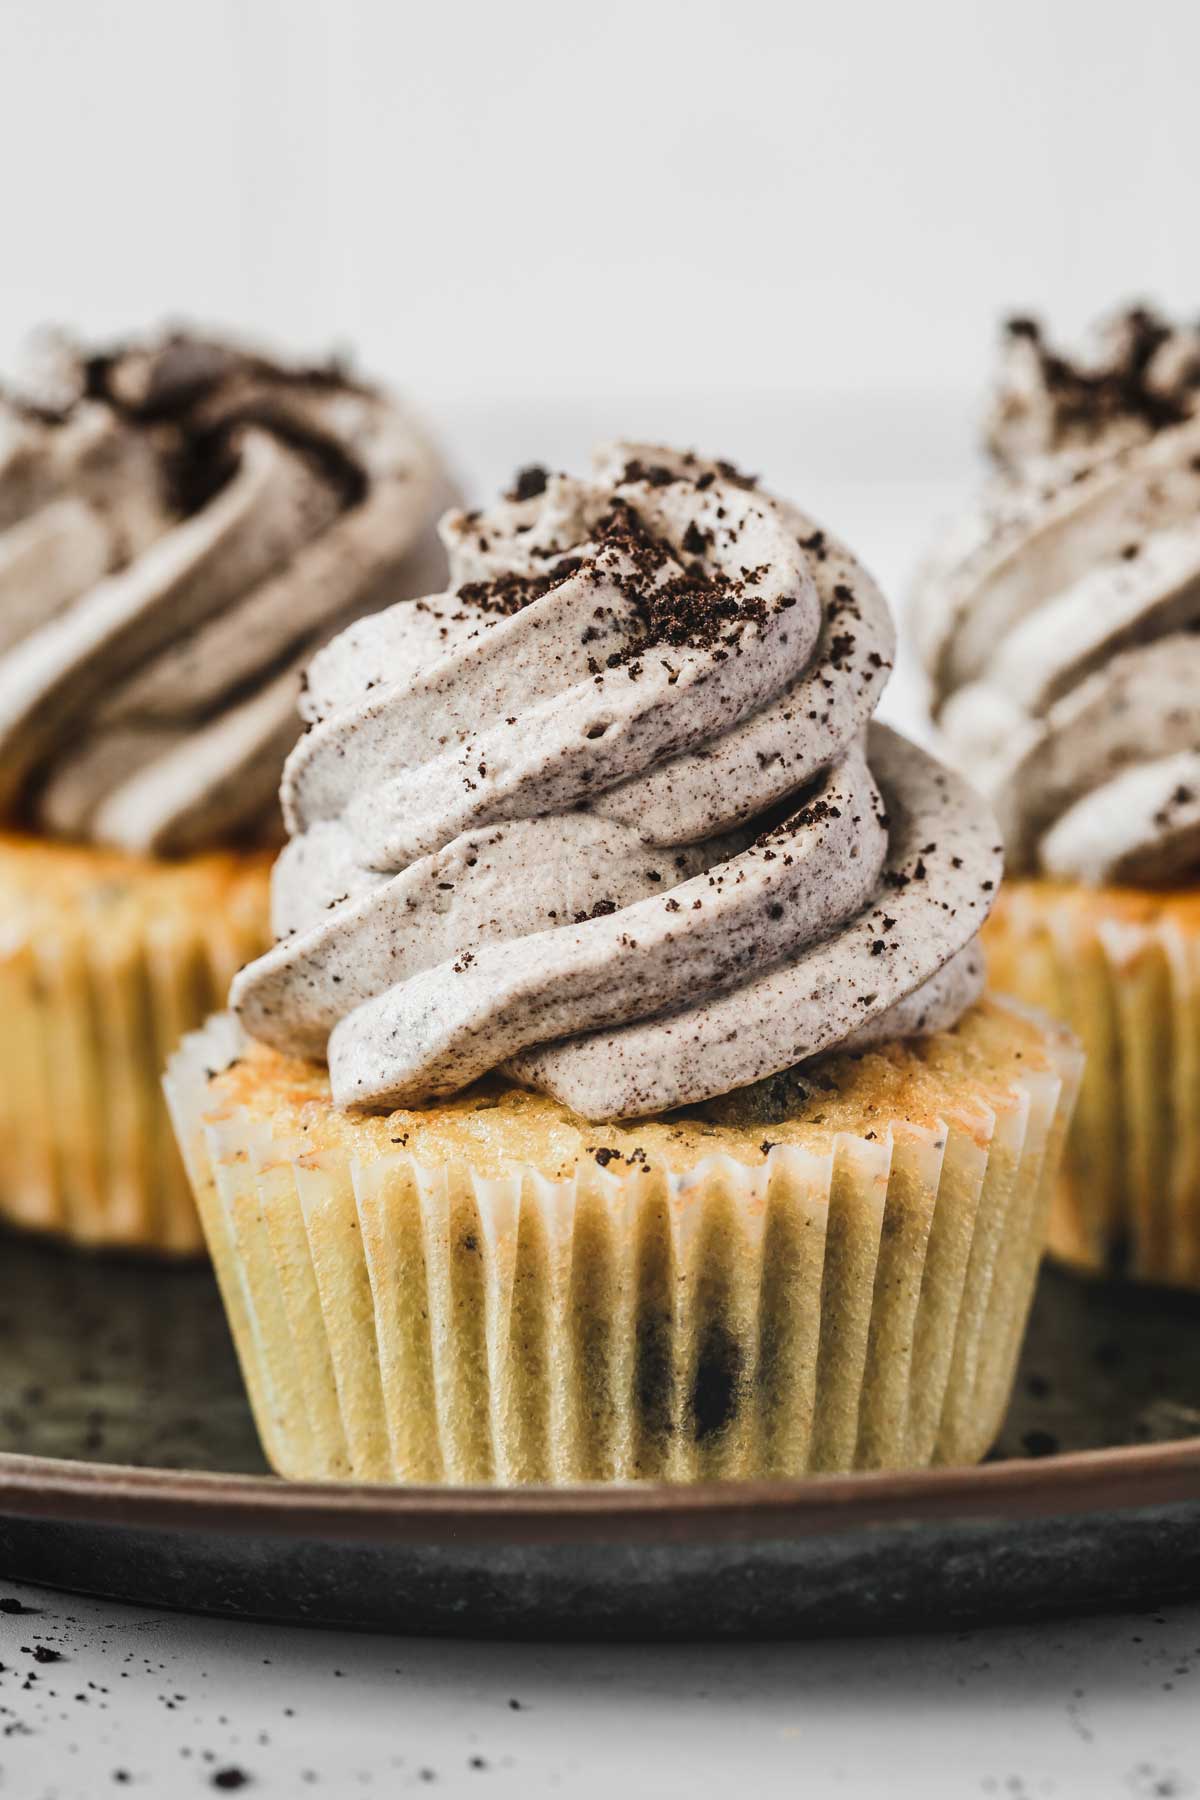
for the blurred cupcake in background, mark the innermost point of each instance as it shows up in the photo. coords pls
(182, 520)
(618, 1101)
(1060, 626)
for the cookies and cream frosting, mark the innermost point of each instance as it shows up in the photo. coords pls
(610, 814)
(1060, 620)
(181, 523)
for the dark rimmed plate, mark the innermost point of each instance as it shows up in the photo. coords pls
(118, 1383)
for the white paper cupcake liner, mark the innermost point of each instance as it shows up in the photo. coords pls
(861, 1307)
(89, 1015)
(1124, 972)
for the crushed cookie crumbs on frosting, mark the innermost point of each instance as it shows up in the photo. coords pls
(1060, 620)
(182, 521)
(662, 677)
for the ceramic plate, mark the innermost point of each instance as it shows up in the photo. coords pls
(129, 1467)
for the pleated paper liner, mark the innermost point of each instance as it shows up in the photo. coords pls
(105, 962)
(1122, 968)
(495, 1291)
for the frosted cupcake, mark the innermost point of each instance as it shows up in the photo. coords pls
(181, 523)
(618, 1100)
(1060, 626)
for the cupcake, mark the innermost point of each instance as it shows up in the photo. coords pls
(181, 523)
(1059, 623)
(618, 1100)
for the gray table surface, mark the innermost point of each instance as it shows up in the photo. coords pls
(157, 1703)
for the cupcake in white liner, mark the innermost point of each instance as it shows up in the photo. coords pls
(182, 522)
(1060, 623)
(664, 1133)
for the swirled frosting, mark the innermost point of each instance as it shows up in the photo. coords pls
(1060, 620)
(608, 816)
(181, 523)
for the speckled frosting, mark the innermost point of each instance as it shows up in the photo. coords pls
(1060, 620)
(608, 814)
(181, 523)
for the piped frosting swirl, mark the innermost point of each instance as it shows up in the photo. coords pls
(607, 814)
(181, 523)
(1060, 620)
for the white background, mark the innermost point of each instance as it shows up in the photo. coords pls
(490, 200)
(781, 231)
(777, 229)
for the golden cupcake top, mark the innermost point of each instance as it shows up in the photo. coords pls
(965, 1075)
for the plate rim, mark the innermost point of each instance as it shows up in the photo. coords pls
(1123, 1479)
